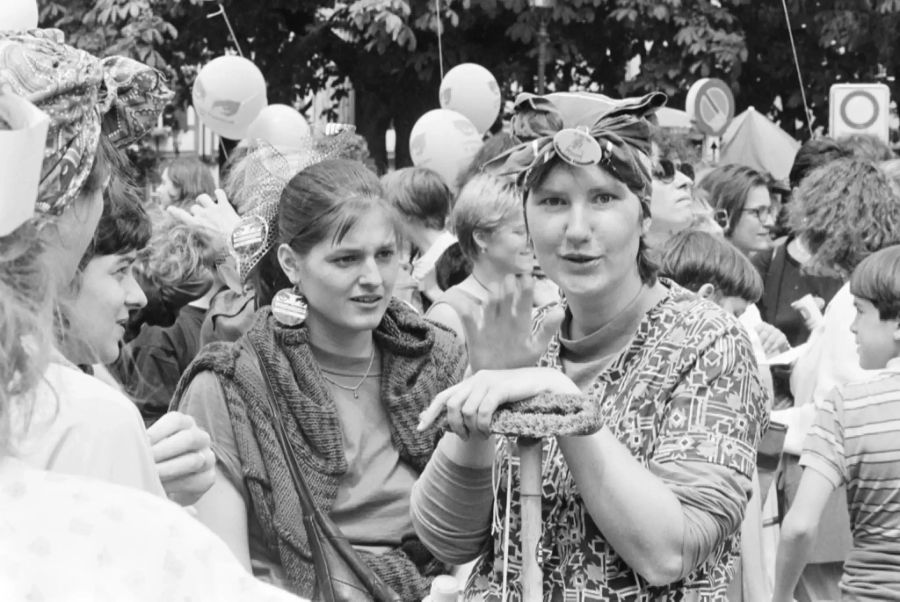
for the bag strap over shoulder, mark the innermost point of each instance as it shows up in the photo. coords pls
(339, 587)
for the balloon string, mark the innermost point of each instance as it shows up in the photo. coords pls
(787, 17)
(221, 12)
(440, 31)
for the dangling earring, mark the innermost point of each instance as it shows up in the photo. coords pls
(289, 307)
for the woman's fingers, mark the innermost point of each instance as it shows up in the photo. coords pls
(204, 200)
(186, 465)
(524, 295)
(429, 416)
(168, 425)
(185, 441)
(221, 197)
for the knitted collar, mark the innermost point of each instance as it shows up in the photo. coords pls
(414, 369)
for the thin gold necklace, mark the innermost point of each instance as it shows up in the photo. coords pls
(354, 390)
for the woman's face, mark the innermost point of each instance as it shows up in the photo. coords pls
(506, 247)
(586, 227)
(69, 235)
(753, 230)
(167, 192)
(671, 203)
(348, 284)
(99, 313)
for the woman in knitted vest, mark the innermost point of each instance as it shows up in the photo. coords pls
(350, 378)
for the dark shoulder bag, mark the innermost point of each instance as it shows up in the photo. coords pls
(341, 575)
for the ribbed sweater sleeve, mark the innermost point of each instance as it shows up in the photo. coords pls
(451, 509)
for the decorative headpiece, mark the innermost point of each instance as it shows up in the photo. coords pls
(613, 140)
(267, 172)
(82, 95)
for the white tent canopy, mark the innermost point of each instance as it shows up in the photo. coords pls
(754, 140)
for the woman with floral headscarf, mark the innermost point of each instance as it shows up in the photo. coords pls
(644, 491)
(95, 106)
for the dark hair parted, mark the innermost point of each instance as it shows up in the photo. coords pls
(420, 195)
(124, 224)
(327, 199)
(845, 211)
(693, 258)
(877, 280)
(647, 268)
(728, 187)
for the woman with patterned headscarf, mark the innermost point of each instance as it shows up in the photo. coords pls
(643, 489)
(96, 107)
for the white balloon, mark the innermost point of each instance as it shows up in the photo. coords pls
(16, 15)
(281, 126)
(444, 141)
(472, 90)
(228, 94)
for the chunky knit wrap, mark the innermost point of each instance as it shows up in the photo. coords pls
(418, 361)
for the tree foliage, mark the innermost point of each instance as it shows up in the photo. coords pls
(390, 51)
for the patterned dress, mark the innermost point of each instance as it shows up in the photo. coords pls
(686, 389)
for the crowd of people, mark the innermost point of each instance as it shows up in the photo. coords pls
(706, 359)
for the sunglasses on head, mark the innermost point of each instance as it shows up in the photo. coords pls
(664, 170)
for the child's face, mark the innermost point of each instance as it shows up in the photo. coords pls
(875, 338)
(734, 305)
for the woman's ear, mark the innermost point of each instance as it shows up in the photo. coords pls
(707, 291)
(289, 262)
(482, 240)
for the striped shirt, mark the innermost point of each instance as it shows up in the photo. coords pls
(855, 441)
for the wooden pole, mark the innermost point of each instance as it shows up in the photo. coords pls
(530, 477)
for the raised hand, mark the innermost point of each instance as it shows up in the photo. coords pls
(499, 334)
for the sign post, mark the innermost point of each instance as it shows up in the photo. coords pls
(859, 109)
(710, 105)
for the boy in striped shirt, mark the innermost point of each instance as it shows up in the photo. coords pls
(855, 441)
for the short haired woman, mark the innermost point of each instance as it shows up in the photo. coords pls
(647, 505)
(743, 193)
(490, 226)
(351, 368)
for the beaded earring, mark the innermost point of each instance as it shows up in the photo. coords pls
(289, 307)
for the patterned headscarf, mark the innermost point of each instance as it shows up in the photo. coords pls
(613, 141)
(83, 95)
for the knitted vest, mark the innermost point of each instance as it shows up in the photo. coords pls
(418, 361)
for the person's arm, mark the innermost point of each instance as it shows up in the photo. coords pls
(222, 508)
(824, 469)
(223, 511)
(636, 512)
(798, 532)
(451, 502)
(444, 314)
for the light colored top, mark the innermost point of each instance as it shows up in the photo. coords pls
(831, 358)
(372, 503)
(70, 539)
(423, 266)
(82, 426)
(855, 441)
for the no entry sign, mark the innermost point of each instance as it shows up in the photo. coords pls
(710, 104)
(859, 109)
